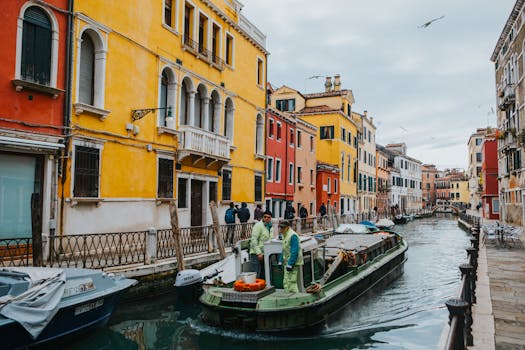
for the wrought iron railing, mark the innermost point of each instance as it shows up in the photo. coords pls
(15, 252)
(98, 250)
(202, 52)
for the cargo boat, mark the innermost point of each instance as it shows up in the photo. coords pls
(336, 271)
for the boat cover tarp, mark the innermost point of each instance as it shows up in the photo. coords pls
(352, 228)
(385, 223)
(37, 306)
(368, 224)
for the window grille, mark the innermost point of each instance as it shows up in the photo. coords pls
(86, 172)
(165, 178)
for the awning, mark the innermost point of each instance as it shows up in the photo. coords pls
(30, 145)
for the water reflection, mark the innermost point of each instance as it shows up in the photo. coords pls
(407, 314)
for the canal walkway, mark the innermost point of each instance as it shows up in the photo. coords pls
(499, 314)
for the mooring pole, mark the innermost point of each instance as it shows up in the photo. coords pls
(217, 229)
(176, 235)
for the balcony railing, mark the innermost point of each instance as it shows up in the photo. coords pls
(203, 53)
(204, 143)
(507, 96)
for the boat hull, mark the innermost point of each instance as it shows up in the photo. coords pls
(75, 318)
(298, 320)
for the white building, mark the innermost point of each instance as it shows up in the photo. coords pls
(405, 190)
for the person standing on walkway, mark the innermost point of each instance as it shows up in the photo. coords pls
(322, 212)
(244, 215)
(292, 257)
(261, 232)
(229, 219)
(258, 213)
(303, 214)
(289, 212)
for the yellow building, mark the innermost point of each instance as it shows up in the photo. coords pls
(164, 94)
(336, 142)
(459, 191)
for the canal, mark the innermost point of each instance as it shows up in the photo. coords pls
(407, 314)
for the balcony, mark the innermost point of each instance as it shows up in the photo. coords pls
(203, 145)
(201, 52)
(507, 96)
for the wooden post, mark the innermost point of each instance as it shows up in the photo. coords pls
(36, 226)
(176, 235)
(216, 228)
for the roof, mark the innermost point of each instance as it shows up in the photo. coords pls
(506, 29)
(317, 109)
(329, 94)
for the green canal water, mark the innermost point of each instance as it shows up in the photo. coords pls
(407, 314)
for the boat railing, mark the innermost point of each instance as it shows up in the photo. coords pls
(460, 307)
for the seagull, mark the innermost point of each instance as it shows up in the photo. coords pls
(315, 77)
(402, 128)
(427, 24)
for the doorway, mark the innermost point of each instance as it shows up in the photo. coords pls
(196, 202)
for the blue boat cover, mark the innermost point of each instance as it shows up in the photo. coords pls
(368, 224)
(37, 306)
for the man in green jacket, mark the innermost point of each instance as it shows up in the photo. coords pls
(261, 232)
(292, 257)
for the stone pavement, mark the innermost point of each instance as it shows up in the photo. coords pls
(499, 314)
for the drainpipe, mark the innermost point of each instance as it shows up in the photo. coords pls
(67, 109)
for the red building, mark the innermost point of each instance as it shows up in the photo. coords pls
(489, 178)
(327, 185)
(280, 161)
(33, 98)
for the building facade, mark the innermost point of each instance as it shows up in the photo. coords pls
(327, 190)
(366, 183)
(337, 132)
(408, 180)
(305, 166)
(510, 91)
(475, 160)
(280, 161)
(382, 179)
(428, 184)
(188, 129)
(33, 96)
(489, 178)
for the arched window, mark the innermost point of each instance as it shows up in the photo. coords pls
(163, 111)
(214, 112)
(36, 46)
(86, 93)
(200, 110)
(259, 135)
(91, 72)
(228, 119)
(184, 103)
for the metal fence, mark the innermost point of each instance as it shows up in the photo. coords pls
(98, 250)
(102, 250)
(16, 251)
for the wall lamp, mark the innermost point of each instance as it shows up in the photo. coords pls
(137, 114)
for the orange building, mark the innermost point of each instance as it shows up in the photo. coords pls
(33, 95)
(328, 191)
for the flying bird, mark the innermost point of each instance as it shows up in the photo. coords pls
(402, 128)
(427, 24)
(315, 77)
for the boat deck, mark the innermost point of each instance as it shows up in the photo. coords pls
(355, 241)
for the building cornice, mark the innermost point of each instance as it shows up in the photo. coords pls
(516, 10)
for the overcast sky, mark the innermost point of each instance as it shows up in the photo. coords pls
(429, 87)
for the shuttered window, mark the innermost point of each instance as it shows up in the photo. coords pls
(226, 185)
(86, 172)
(163, 98)
(87, 69)
(258, 188)
(165, 179)
(36, 47)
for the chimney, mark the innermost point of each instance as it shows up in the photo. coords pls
(328, 84)
(365, 113)
(337, 82)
